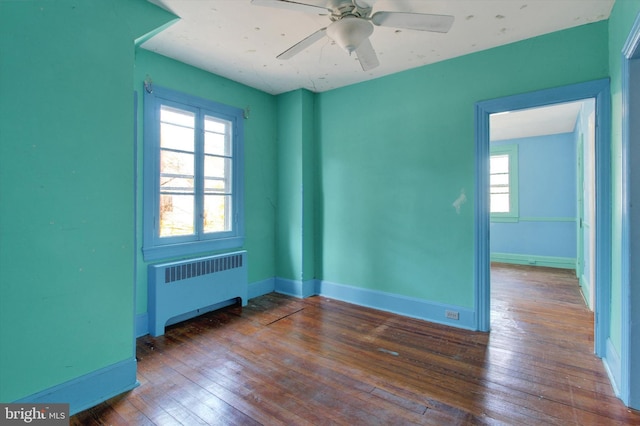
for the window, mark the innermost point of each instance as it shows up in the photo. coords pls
(192, 175)
(503, 181)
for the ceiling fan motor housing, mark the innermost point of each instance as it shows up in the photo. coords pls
(349, 32)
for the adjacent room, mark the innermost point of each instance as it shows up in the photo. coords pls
(321, 211)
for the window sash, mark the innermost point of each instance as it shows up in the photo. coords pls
(503, 182)
(192, 191)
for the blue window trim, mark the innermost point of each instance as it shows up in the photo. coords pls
(513, 214)
(154, 247)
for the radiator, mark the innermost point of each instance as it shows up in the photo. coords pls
(184, 287)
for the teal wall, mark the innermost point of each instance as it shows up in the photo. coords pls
(396, 152)
(367, 176)
(259, 153)
(621, 20)
(295, 224)
(66, 198)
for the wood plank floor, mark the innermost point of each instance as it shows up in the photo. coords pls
(286, 361)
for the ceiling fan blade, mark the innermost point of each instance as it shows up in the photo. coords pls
(293, 5)
(302, 45)
(413, 21)
(366, 55)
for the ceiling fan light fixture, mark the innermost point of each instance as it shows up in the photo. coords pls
(349, 32)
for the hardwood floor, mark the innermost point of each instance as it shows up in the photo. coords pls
(316, 361)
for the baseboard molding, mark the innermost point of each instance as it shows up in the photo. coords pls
(295, 288)
(613, 366)
(91, 389)
(397, 304)
(584, 290)
(260, 288)
(529, 259)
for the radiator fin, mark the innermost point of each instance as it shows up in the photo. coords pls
(202, 267)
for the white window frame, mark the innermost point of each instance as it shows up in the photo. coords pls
(513, 214)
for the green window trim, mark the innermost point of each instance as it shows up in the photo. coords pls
(511, 151)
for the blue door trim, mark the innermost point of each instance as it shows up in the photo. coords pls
(629, 386)
(598, 89)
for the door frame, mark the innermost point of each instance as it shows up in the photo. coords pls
(629, 375)
(600, 91)
(580, 213)
(585, 209)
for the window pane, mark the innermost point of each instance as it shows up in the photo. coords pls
(176, 215)
(217, 167)
(499, 164)
(177, 129)
(499, 190)
(177, 116)
(169, 183)
(217, 174)
(212, 124)
(499, 203)
(175, 137)
(499, 179)
(217, 136)
(499, 184)
(217, 144)
(176, 163)
(217, 209)
(212, 185)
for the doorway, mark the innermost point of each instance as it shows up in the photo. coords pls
(542, 189)
(598, 90)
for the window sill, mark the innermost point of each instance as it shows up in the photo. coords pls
(191, 248)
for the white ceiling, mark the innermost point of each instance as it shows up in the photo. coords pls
(541, 121)
(240, 41)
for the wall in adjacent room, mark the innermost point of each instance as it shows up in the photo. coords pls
(546, 227)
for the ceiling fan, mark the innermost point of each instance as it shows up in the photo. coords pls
(352, 23)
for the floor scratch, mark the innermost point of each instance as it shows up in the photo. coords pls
(283, 317)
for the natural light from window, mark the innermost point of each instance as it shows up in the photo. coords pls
(178, 173)
(499, 183)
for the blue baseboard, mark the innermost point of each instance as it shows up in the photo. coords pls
(295, 288)
(397, 304)
(531, 259)
(613, 366)
(91, 389)
(402, 305)
(260, 288)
